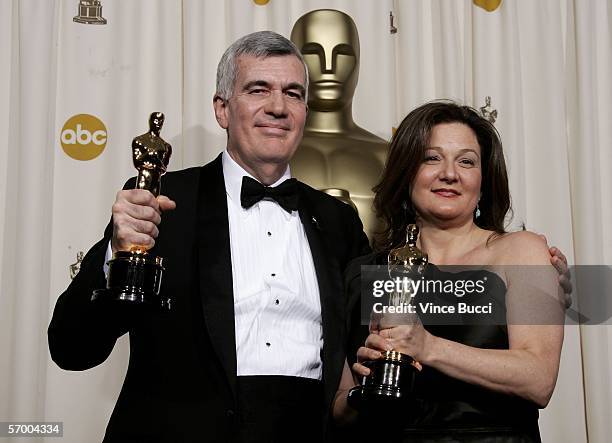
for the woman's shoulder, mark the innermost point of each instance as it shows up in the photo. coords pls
(520, 248)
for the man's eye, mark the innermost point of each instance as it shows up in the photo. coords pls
(295, 94)
(258, 91)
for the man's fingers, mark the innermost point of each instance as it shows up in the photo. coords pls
(565, 281)
(138, 197)
(165, 204)
(559, 261)
(124, 241)
(556, 252)
(143, 240)
(124, 208)
(144, 213)
(146, 227)
(136, 214)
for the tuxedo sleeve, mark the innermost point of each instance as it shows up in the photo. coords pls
(358, 244)
(359, 253)
(82, 334)
(356, 331)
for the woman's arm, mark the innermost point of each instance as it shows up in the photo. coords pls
(529, 367)
(342, 412)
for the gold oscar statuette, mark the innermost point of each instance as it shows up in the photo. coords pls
(134, 276)
(392, 376)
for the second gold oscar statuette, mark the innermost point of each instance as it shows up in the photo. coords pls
(392, 376)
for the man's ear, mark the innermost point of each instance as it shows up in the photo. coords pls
(220, 107)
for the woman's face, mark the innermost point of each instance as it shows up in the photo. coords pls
(447, 185)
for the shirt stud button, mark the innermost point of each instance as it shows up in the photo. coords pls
(268, 344)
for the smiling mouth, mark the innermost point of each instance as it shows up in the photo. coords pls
(446, 192)
(268, 126)
(273, 130)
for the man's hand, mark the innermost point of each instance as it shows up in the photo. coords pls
(559, 261)
(136, 214)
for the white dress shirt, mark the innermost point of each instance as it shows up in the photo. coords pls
(277, 310)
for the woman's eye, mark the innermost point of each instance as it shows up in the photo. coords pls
(431, 158)
(468, 161)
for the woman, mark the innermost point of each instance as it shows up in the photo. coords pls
(446, 173)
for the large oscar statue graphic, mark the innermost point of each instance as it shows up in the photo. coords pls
(336, 155)
(134, 276)
(392, 376)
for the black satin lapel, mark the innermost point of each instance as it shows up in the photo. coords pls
(330, 292)
(215, 267)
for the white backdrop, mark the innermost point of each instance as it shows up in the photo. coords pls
(547, 65)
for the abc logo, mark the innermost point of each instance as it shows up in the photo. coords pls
(83, 137)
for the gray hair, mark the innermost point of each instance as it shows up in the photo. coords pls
(258, 44)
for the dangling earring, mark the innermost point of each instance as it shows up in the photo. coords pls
(477, 210)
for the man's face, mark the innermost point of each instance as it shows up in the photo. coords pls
(266, 113)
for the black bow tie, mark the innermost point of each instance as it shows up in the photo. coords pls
(285, 194)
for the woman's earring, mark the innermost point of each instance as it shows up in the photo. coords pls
(477, 210)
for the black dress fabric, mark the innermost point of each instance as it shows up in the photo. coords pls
(445, 409)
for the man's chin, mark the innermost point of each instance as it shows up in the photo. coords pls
(279, 155)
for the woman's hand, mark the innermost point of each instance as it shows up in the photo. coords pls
(412, 340)
(374, 346)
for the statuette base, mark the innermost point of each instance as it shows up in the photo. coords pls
(134, 278)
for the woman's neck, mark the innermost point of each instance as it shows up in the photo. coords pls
(449, 245)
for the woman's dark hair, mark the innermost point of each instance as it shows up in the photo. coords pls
(406, 154)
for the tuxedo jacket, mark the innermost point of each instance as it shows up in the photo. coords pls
(181, 379)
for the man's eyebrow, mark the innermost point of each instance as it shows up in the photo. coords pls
(265, 84)
(252, 83)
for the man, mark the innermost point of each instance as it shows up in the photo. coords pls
(252, 349)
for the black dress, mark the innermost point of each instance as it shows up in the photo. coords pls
(444, 409)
